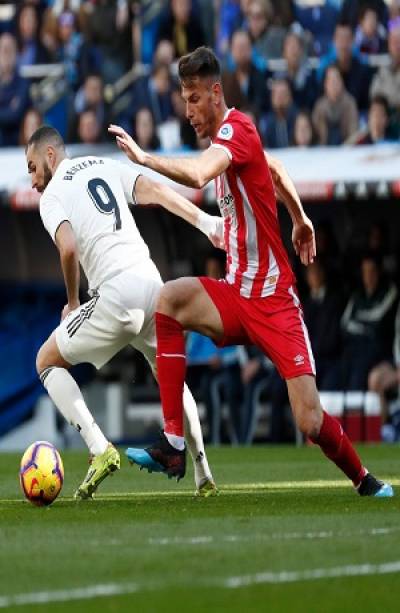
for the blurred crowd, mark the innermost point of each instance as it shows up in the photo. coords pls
(351, 305)
(307, 71)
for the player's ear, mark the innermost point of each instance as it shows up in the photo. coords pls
(216, 90)
(51, 155)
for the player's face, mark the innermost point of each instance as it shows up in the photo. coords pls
(201, 96)
(38, 168)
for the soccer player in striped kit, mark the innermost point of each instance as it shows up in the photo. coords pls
(257, 301)
(84, 207)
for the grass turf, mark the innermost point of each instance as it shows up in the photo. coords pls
(152, 544)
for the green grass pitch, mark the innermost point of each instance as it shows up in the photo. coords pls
(286, 534)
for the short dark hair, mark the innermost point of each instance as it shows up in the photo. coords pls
(202, 62)
(46, 135)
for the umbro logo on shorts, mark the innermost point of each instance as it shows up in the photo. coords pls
(299, 359)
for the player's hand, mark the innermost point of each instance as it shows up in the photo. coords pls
(68, 309)
(213, 227)
(216, 236)
(127, 144)
(303, 239)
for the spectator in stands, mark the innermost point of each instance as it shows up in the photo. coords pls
(319, 18)
(377, 130)
(335, 115)
(301, 77)
(352, 9)
(90, 96)
(144, 131)
(206, 14)
(164, 53)
(267, 39)
(394, 13)
(283, 12)
(258, 369)
(385, 376)
(89, 128)
(230, 19)
(387, 80)
(323, 309)
(78, 57)
(182, 28)
(108, 29)
(367, 324)
(14, 92)
(153, 92)
(244, 85)
(31, 121)
(370, 35)
(379, 243)
(146, 18)
(30, 49)
(303, 131)
(277, 127)
(355, 73)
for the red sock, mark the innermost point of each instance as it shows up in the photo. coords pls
(171, 370)
(336, 445)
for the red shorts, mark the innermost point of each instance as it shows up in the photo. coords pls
(274, 324)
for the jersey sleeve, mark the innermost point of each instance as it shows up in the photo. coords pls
(233, 138)
(128, 176)
(52, 213)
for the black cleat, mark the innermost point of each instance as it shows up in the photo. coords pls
(371, 486)
(160, 457)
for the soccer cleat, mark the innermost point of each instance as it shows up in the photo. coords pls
(100, 467)
(370, 486)
(206, 488)
(160, 457)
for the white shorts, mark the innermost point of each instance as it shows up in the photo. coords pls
(120, 313)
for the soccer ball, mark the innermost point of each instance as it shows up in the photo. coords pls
(41, 474)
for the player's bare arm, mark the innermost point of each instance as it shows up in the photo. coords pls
(190, 171)
(303, 237)
(65, 241)
(148, 191)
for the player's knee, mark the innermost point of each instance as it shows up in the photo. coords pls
(168, 300)
(309, 419)
(171, 299)
(41, 359)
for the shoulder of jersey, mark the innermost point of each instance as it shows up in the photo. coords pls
(226, 131)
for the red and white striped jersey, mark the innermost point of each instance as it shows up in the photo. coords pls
(256, 258)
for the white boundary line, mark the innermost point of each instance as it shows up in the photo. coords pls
(355, 570)
(80, 593)
(257, 537)
(119, 589)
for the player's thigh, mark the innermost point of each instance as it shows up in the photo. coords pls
(49, 355)
(276, 325)
(187, 301)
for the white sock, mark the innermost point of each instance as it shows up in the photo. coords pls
(194, 438)
(176, 441)
(66, 395)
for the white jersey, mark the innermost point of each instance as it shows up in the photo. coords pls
(93, 193)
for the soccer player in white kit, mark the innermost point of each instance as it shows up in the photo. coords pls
(84, 207)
